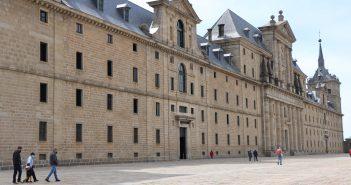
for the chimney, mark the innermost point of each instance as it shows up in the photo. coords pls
(281, 16)
(209, 33)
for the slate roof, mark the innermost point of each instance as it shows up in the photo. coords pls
(296, 66)
(234, 27)
(137, 17)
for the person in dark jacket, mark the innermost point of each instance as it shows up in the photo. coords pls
(17, 165)
(255, 153)
(249, 153)
(53, 164)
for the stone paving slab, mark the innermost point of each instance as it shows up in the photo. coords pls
(300, 170)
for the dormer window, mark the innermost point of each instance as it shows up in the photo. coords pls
(247, 31)
(257, 37)
(100, 5)
(124, 10)
(228, 57)
(217, 52)
(180, 34)
(205, 47)
(221, 30)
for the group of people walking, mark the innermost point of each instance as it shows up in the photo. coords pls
(29, 167)
(253, 154)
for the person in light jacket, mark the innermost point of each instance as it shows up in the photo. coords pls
(30, 168)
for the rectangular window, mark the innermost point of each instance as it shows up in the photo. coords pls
(172, 108)
(183, 109)
(109, 68)
(79, 156)
(135, 106)
(216, 138)
(237, 100)
(192, 88)
(256, 141)
(214, 75)
(79, 60)
(247, 122)
(221, 30)
(135, 47)
(135, 74)
(201, 70)
(79, 28)
(158, 136)
(252, 56)
(109, 38)
(216, 117)
(192, 110)
(157, 55)
(109, 134)
(248, 140)
(215, 94)
(228, 119)
(244, 69)
(135, 136)
(43, 92)
(202, 115)
(255, 123)
(172, 84)
(255, 104)
(110, 155)
(227, 97)
(202, 91)
(42, 131)
(79, 97)
(158, 109)
(42, 157)
(228, 139)
(238, 120)
(157, 80)
(239, 140)
(247, 103)
(203, 138)
(43, 52)
(79, 130)
(43, 16)
(253, 73)
(244, 51)
(109, 101)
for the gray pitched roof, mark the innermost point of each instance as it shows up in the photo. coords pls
(235, 27)
(137, 16)
(296, 66)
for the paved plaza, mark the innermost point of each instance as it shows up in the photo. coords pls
(306, 170)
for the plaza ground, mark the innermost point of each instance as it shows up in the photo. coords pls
(299, 170)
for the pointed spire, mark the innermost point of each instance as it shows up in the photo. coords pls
(320, 58)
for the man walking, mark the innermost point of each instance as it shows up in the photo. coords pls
(279, 153)
(17, 165)
(53, 163)
(249, 153)
(255, 153)
(30, 168)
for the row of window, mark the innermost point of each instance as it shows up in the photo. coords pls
(203, 139)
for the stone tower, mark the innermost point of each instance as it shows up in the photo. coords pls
(325, 85)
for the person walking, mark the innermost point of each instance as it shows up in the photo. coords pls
(211, 154)
(350, 152)
(17, 165)
(279, 153)
(53, 164)
(249, 153)
(255, 153)
(30, 168)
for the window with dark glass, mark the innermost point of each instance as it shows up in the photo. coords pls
(136, 135)
(203, 138)
(247, 122)
(221, 30)
(43, 16)
(237, 100)
(157, 80)
(79, 28)
(216, 138)
(109, 68)
(228, 139)
(183, 109)
(214, 75)
(238, 120)
(216, 117)
(244, 69)
(42, 157)
(172, 108)
(201, 70)
(202, 115)
(43, 92)
(247, 103)
(255, 123)
(172, 83)
(42, 131)
(79, 131)
(79, 60)
(109, 38)
(215, 94)
(110, 155)
(228, 119)
(109, 102)
(135, 74)
(202, 91)
(255, 104)
(182, 78)
(192, 88)
(227, 97)
(253, 72)
(256, 141)
(248, 140)
(109, 134)
(135, 47)
(43, 52)
(79, 97)
(158, 136)
(192, 110)
(180, 34)
(158, 109)
(135, 106)
(239, 140)
(157, 55)
(79, 156)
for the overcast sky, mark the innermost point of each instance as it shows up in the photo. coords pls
(307, 18)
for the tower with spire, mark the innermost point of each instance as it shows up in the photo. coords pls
(324, 85)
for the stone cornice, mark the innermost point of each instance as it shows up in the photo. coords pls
(322, 107)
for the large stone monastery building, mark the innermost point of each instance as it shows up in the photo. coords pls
(108, 81)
